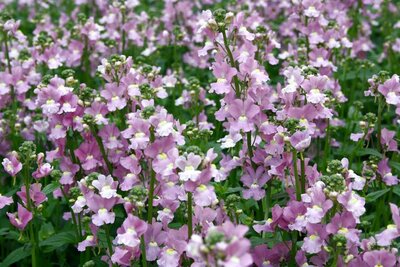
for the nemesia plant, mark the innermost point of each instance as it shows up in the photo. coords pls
(199, 133)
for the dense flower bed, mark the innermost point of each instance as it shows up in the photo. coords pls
(199, 133)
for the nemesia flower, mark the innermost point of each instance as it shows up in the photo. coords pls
(101, 208)
(12, 166)
(188, 167)
(254, 180)
(5, 201)
(130, 232)
(21, 218)
(235, 134)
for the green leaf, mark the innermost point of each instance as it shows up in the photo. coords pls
(395, 165)
(50, 188)
(46, 231)
(373, 196)
(396, 190)
(256, 240)
(58, 240)
(15, 256)
(234, 190)
(368, 151)
(3, 231)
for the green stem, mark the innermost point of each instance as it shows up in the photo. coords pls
(327, 144)
(303, 173)
(152, 184)
(143, 250)
(379, 122)
(123, 31)
(250, 150)
(151, 196)
(78, 231)
(30, 208)
(268, 198)
(232, 62)
(102, 149)
(7, 54)
(190, 214)
(296, 176)
(293, 250)
(109, 244)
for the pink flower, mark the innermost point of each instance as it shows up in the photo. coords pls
(42, 171)
(254, 181)
(315, 239)
(319, 205)
(115, 96)
(154, 238)
(5, 201)
(106, 185)
(300, 140)
(224, 74)
(352, 203)
(390, 89)
(312, 8)
(110, 135)
(379, 258)
(35, 193)
(21, 218)
(11, 165)
(243, 113)
(386, 173)
(392, 231)
(188, 166)
(344, 224)
(89, 155)
(101, 208)
(387, 140)
(130, 232)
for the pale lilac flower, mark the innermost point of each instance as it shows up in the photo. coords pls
(130, 232)
(114, 94)
(379, 258)
(386, 173)
(319, 204)
(352, 203)
(12, 165)
(188, 166)
(392, 231)
(21, 218)
(242, 113)
(300, 140)
(315, 239)
(106, 185)
(5, 201)
(101, 208)
(154, 238)
(224, 74)
(35, 193)
(254, 181)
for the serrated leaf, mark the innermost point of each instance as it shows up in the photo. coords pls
(16, 256)
(58, 240)
(373, 196)
(50, 188)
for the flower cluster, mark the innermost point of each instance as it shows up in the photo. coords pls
(199, 133)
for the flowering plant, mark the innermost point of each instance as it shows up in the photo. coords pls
(199, 133)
